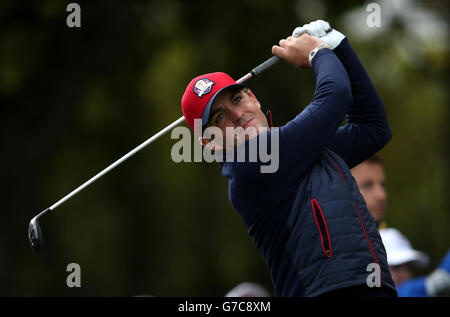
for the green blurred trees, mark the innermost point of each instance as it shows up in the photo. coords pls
(74, 100)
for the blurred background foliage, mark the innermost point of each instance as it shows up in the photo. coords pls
(73, 100)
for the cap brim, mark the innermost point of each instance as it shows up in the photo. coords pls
(417, 257)
(207, 110)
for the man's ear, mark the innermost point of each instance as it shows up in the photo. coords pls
(203, 141)
(253, 96)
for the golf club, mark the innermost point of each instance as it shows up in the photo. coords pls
(34, 229)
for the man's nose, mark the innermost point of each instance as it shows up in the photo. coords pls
(380, 192)
(237, 115)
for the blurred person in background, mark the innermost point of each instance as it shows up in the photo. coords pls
(371, 180)
(402, 258)
(248, 289)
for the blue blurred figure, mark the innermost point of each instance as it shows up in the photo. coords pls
(401, 257)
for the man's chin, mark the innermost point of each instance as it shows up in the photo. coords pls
(243, 136)
(378, 216)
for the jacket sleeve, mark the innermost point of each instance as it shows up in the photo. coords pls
(302, 139)
(367, 129)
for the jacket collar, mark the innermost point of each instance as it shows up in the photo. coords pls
(269, 118)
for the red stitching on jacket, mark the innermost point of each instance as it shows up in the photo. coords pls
(314, 200)
(359, 215)
(335, 164)
(270, 116)
(367, 238)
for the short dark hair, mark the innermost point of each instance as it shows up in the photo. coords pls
(235, 89)
(375, 159)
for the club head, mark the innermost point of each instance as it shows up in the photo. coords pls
(35, 235)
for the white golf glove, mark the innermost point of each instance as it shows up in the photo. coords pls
(319, 29)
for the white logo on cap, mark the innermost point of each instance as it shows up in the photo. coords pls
(203, 86)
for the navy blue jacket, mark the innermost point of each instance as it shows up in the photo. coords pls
(308, 219)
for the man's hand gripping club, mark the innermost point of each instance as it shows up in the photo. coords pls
(296, 50)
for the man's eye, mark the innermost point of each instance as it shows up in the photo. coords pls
(366, 186)
(237, 99)
(219, 117)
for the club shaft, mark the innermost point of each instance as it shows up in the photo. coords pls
(117, 163)
(256, 71)
(43, 213)
(259, 69)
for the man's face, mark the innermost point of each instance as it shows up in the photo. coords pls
(372, 184)
(237, 109)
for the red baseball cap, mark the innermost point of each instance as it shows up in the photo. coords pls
(200, 94)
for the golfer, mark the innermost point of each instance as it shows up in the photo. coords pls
(308, 218)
